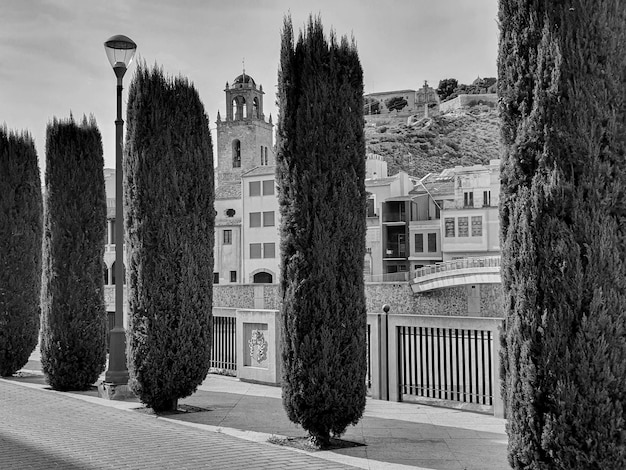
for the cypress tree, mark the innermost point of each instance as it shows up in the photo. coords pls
(20, 249)
(73, 349)
(168, 190)
(562, 86)
(320, 176)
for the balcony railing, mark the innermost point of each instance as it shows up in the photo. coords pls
(388, 277)
(465, 263)
(395, 250)
(394, 216)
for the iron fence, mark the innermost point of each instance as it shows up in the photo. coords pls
(224, 355)
(446, 363)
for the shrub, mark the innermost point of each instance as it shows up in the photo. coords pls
(20, 249)
(320, 175)
(169, 192)
(73, 349)
(396, 103)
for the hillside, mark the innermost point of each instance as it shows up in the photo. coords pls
(463, 137)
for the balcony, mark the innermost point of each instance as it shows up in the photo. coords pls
(394, 212)
(459, 272)
(395, 250)
(395, 216)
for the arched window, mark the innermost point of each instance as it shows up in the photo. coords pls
(106, 275)
(262, 160)
(113, 274)
(236, 153)
(266, 155)
(255, 108)
(262, 278)
(239, 108)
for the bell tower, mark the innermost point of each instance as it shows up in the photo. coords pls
(244, 138)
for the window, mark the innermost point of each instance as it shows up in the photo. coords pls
(268, 187)
(255, 188)
(266, 155)
(438, 206)
(269, 250)
(449, 224)
(262, 159)
(262, 278)
(432, 242)
(268, 219)
(255, 108)
(230, 212)
(463, 229)
(255, 250)
(216, 278)
(468, 199)
(371, 210)
(477, 226)
(255, 219)
(236, 153)
(233, 276)
(114, 274)
(486, 198)
(419, 243)
(112, 232)
(228, 237)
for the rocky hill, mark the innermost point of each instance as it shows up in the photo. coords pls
(463, 137)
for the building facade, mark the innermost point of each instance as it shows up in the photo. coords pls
(411, 222)
(414, 223)
(247, 218)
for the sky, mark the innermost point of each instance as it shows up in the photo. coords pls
(53, 60)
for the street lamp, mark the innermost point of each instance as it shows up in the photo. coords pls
(120, 51)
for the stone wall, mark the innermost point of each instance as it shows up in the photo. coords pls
(453, 301)
(461, 101)
(485, 300)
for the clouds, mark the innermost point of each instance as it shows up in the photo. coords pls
(53, 59)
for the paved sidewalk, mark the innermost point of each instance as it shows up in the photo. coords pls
(395, 435)
(43, 429)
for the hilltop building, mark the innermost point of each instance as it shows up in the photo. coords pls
(422, 101)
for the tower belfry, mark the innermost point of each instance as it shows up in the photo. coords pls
(244, 138)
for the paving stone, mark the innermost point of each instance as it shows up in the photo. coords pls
(43, 429)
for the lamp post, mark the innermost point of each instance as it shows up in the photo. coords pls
(120, 51)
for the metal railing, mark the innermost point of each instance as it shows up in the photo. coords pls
(224, 348)
(465, 263)
(446, 364)
(388, 277)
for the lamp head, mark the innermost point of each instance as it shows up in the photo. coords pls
(120, 51)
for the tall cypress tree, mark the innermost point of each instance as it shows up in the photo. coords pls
(73, 349)
(320, 176)
(562, 85)
(168, 190)
(20, 249)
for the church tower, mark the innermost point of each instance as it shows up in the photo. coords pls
(244, 138)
